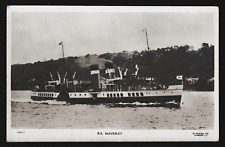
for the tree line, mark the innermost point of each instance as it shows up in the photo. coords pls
(163, 64)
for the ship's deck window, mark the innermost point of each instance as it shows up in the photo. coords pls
(133, 94)
(121, 94)
(118, 94)
(155, 92)
(110, 94)
(75, 94)
(137, 94)
(114, 95)
(103, 94)
(129, 94)
(107, 95)
(80, 94)
(70, 94)
(142, 94)
(84, 94)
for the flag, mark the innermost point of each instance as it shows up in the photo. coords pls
(179, 77)
(60, 43)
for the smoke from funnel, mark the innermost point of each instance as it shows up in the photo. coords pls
(87, 61)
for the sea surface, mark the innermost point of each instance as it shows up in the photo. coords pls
(195, 112)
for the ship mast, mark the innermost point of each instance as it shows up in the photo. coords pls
(61, 43)
(146, 38)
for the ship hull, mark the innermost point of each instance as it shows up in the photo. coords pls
(151, 96)
(151, 99)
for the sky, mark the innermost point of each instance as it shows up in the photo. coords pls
(35, 35)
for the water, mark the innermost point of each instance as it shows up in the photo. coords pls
(195, 113)
(189, 99)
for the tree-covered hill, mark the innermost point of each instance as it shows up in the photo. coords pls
(163, 64)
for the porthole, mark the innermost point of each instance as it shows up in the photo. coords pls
(133, 94)
(142, 94)
(107, 95)
(121, 94)
(129, 94)
(110, 94)
(137, 94)
(118, 94)
(114, 95)
(84, 94)
(103, 94)
(80, 94)
(155, 92)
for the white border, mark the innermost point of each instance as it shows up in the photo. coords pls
(90, 134)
